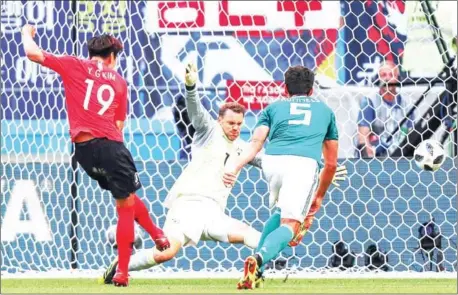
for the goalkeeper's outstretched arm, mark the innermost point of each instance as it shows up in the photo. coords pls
(201, 120)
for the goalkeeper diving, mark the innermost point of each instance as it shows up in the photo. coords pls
(198, 198)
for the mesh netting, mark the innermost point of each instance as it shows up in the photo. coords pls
(54, 218)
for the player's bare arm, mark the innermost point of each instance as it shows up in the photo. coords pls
(31, 49)
(257, 161)
(255, 146)
(257, 142)
(330, 174)
(95, 131)
(330, 153)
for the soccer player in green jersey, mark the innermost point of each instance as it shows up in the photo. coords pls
(300, 128)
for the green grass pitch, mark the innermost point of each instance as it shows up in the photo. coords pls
(228, 286)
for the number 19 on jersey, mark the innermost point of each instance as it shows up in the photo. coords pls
(105, 103)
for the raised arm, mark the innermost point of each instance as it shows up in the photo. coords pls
(200, 118)
(59, 64)
(31, 49)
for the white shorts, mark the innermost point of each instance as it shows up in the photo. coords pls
(191, 219)
(292, 183)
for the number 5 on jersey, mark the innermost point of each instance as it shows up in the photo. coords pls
(105, 103)
(300, 109)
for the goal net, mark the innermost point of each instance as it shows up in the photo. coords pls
(55, 218)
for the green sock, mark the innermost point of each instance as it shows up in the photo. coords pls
(275, 242)
(271, 224)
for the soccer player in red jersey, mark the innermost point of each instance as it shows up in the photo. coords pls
(96, 102)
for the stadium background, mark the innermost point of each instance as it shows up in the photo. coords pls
(47, 223)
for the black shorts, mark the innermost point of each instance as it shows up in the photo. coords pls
(110, 164)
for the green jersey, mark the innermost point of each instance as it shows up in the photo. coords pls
(298, 127)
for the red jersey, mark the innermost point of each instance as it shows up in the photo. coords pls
(96, 96)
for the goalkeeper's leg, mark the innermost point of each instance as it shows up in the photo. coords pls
(183, 224)
(147, 258)
(230, 230)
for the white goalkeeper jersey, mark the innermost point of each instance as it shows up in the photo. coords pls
(211, 152)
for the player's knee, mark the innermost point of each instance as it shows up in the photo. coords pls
(126, 202)
(233, 233)
(251, 238)
(242, 233)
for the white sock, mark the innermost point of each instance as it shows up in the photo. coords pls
(251, 238)
(143, 259)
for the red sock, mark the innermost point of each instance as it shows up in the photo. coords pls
(125, 236)
(143, 218)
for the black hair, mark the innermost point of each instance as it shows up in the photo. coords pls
(103, 46)
(299, 80)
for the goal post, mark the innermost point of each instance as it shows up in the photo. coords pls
(54, 217)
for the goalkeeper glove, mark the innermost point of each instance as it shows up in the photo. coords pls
(341, 174)
(191, 75)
